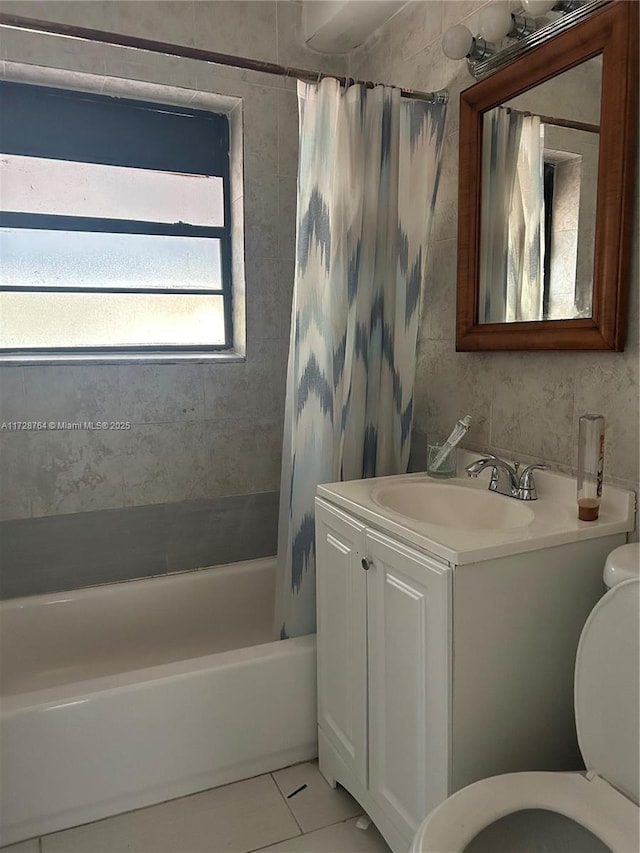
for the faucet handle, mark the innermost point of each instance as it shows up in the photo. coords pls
(526, 478)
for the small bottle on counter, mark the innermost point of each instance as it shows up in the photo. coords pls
(590, 465)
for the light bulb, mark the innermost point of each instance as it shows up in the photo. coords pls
(457, 42)
(535, 8)
(495, 22)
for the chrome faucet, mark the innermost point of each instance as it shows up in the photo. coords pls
(506, 479)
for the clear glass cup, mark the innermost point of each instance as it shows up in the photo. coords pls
(448, 468)
(590, 465)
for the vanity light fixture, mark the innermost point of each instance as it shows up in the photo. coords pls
(458, 43)
(537, 7)
(486, 51)
(498, 23)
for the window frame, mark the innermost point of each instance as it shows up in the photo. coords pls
(15, 219)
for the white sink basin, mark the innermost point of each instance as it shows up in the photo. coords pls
(452, 506)
(462, 522)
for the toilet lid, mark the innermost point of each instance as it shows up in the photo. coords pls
(607, 690)
(622, 564)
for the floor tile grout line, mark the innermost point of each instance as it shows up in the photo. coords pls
(332, 823)
(336, 822)
(157, 805)
(311, 831)
(301, 833)
(286, 802)
(273, 843)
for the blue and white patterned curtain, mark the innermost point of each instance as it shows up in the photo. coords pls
(367, 178)
(501, 131)
(525, 238)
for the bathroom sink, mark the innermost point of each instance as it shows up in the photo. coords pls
(462, 522)
(452, 506)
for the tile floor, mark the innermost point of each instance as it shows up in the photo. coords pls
(255, 814)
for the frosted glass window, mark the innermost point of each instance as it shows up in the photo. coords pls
(114, 226)
(75, 259)
(41, 185)
(69, 320)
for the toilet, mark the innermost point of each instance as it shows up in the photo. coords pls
(604, 801)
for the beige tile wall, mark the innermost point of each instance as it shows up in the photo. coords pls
(198, 430)
(524, 405)
(209, 430)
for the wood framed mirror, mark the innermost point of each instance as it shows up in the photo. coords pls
(593, 245)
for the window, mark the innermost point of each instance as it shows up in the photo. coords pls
(114, 225)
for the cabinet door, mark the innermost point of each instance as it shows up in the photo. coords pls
(342, 635)
(409, 680)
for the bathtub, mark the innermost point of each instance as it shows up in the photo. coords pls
(124, 695)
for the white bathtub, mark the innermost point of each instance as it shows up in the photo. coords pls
(120, 696)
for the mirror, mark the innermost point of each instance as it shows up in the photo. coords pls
(547, 162)
(540, 164)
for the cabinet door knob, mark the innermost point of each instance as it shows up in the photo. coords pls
(366, 565)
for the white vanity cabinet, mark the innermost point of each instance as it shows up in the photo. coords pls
(432, 675)
(383, 663)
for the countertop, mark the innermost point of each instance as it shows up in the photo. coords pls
(555, 520)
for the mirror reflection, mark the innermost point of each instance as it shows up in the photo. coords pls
(538, 200)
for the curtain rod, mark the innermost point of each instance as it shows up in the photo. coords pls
(559, 122)
(120, 40)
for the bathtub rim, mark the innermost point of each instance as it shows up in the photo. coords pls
(65, 596)
(159, 774)
(51, 698)
(80, 688)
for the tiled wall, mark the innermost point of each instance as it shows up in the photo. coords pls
(524, 405)
(195, 480)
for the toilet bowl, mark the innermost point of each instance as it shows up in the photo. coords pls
(605, 800)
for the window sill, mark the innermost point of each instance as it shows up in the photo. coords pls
(195, 357)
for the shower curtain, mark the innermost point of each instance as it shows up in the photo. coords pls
(525, 281)
(512, 213)
(368, 172)
(501, 131)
